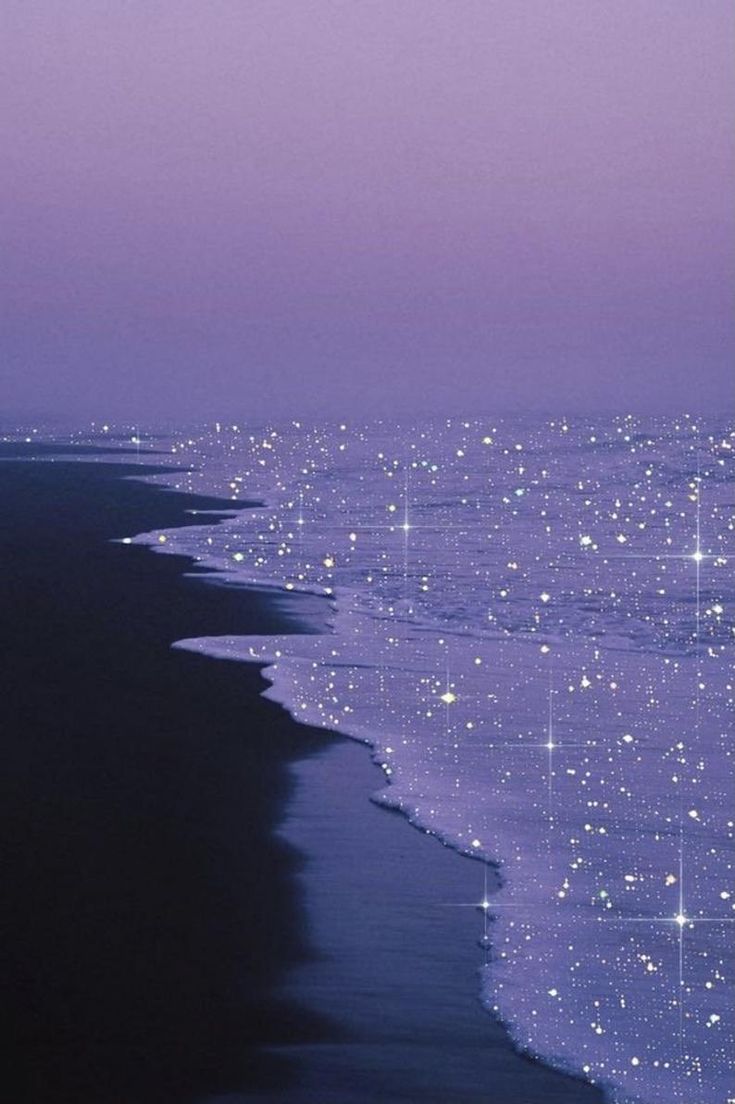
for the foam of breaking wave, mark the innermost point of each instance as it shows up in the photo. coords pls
(530, 623)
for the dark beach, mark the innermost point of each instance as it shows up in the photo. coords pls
(199, 901)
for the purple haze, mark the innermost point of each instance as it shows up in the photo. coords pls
(306, 207)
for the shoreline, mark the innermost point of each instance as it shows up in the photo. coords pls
(397, 910)
(292, 1055)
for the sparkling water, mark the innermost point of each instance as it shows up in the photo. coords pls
(530, 621)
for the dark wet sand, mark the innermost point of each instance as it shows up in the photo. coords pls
(160, 939)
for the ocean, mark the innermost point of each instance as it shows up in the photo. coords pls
(530, 623)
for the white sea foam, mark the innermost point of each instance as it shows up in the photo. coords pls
(530, 622)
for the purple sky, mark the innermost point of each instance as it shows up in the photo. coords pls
(262, 207)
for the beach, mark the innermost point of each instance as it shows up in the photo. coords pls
(394, 915)
(201, 902)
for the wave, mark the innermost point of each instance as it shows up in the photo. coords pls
(529, 622)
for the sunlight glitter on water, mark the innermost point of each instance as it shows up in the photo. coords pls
(531, 622)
